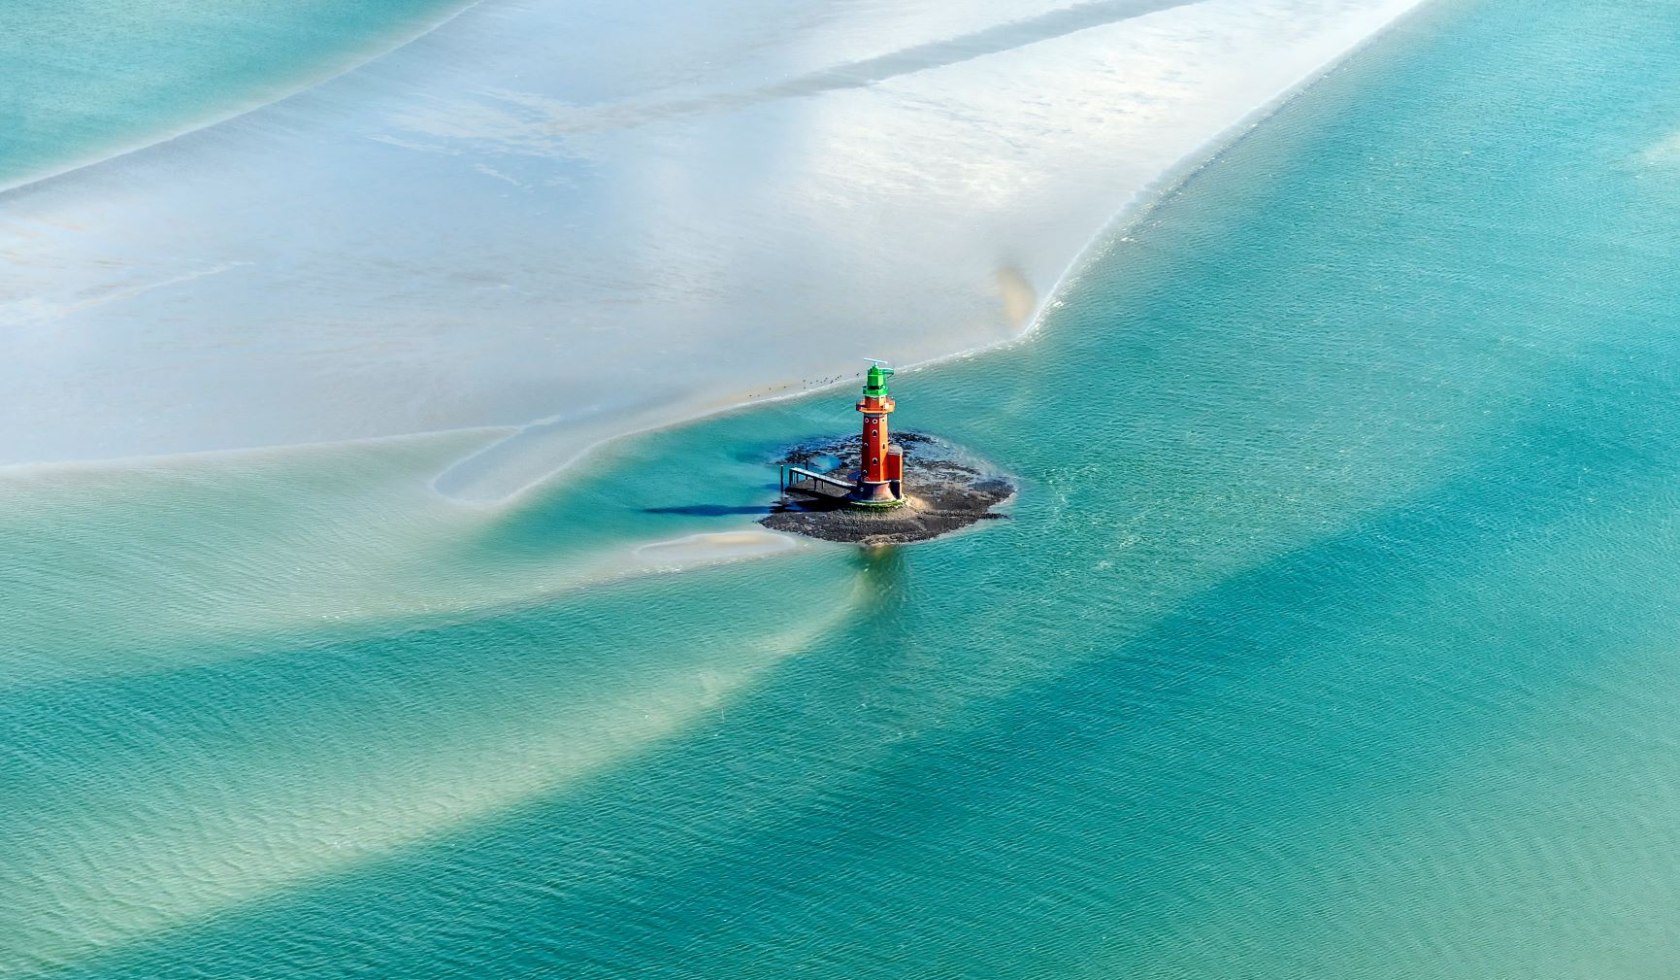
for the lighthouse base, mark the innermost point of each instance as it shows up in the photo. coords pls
(877, 496)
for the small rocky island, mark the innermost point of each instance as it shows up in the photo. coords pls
(941, 490)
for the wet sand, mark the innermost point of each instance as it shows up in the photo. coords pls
(562, 226)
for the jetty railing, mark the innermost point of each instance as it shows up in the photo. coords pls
(796, 478)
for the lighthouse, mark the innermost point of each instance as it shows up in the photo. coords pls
(880, 481)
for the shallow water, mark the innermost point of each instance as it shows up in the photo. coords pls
(84, 78)
(1332, 635)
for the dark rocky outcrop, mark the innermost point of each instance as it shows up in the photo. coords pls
(944, 489)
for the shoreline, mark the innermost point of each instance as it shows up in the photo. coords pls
(1142, 200)
(280, 89)
(535, 452)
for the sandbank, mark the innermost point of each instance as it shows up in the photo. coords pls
(578, 221)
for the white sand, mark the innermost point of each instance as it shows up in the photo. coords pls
(597, 218)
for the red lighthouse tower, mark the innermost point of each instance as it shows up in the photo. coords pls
(881, 480)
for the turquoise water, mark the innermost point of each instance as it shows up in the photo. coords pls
(1334, 633)
(84, 78)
